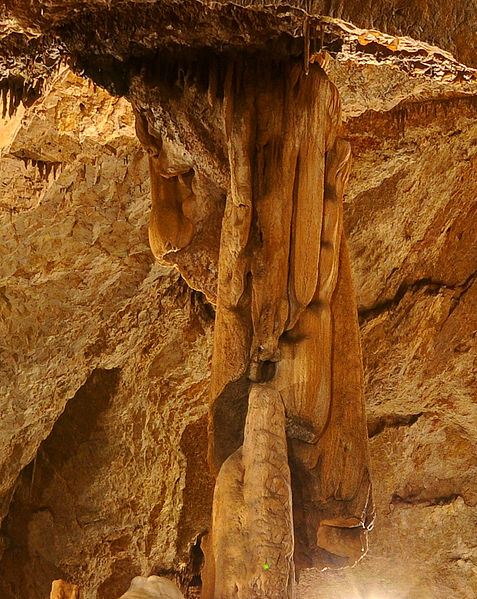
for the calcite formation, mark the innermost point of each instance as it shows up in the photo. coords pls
(152, 587)
(64, 590)
(285, 313)
(103, 425)
(280, 260)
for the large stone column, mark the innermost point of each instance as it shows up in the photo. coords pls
(287, 430)
(250, 551)
(286, 312)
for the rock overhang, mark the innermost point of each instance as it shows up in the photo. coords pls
(108, 40)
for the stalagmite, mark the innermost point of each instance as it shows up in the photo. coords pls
(287, 413)
(152, 587)
(64, 590)
(251, 549)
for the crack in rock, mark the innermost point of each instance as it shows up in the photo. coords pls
(430, 286)
(463, 288)
(413, 500)
(379, 424)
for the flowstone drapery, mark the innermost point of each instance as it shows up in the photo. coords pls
(287, 430)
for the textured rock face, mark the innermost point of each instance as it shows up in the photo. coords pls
(87, 317)
(64, 590)
(411, 217)
(106, 354)
(112, 40)
(239, 23)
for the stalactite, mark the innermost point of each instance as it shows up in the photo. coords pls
(43, 167)
(283, 282)
(213, 84)
(15, 90)
(169, 229)
(306, 42)
(4, 92)
(13, 101)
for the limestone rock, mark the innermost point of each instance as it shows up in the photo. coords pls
(97, 343)
(38, 279)
(64, 590)
(105, 354)
(411, 216)
(285, 307)
(239, 23)
(252, 542)
(152, 587)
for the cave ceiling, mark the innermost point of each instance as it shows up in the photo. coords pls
(111, 40)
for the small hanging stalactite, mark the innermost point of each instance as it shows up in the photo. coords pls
(306, 39)
(400, 117)
(57, 166)
(12, 89)
(91, 84)
(16, 94)
(44, 167)
(16, 90)
(4, 97)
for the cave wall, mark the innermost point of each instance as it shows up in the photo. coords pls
(106, 354)
(411, 220)
(104, 359)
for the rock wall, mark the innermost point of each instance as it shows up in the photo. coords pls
(106, 353)
(89, 25)
(411, 218)
(105, 360)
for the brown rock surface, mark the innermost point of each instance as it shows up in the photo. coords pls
(64, 590)
(411, 217)
(111, 40)
(105, 355)
(197, 23)
(98, 344)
